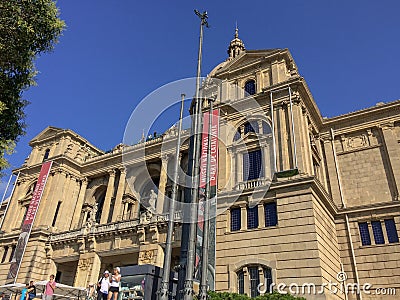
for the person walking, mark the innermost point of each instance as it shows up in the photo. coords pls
(49, 290)
(31, 290)
(115, 280)
(103, 286)
(90, 293)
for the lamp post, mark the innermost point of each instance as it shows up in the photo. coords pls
(164, 290)
(196, 129)
(206, 225)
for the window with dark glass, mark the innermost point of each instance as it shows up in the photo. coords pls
(271, 215)
(12, 253)
(46, 154)
(251, 126)
(391, 231)
(378, 233)
(268, 280)
(240, 276)
(266, 128)
(56, 214)
(364, 233)
(254, 281)
(235, 219)
(252, 165)
(252, 217)
(250, 87)
(238, 134)
(3, 259)
(100, 203)
(25, 213)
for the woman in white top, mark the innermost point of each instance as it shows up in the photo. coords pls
(114, 284)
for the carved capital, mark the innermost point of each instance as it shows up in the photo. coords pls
(147, 256)
(84, 264)
(387, 126)
(165, 158)
(111, 173)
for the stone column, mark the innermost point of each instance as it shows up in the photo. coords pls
(118, 211)
(260, 208)
(239, 167)
(232, 171)
(162, 184)
(333, 176)
(392, 147)
(49, 207)
(282, 139)
(107, 200)
(243, 217)
(88, 269)
(266, 152)
(79, 203)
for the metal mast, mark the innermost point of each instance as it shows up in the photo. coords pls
(164, 289)
(196, 130)
(206, 226)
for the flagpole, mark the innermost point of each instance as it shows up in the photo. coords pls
(4, 195)
(164, 290)
(196, 129)
(206, 224)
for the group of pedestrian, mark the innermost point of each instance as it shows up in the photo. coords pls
(29, 292)
(108, 286)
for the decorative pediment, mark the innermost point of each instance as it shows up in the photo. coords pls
(48, 132)
(244, 59)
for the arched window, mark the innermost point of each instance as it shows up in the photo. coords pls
(251, 126)
(46, 154)
(238, 135)
(250, 87)
(100, 203)
(254, 275)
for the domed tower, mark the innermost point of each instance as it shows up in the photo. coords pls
(236, 46)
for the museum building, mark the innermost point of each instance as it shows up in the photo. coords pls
(330, 206)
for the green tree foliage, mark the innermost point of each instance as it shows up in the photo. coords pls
(233, 296)
(28, 28)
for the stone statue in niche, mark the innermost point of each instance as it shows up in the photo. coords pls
(152, 200)
(91, 220)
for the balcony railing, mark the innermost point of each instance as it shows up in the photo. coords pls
(251, 184)
(111, 227)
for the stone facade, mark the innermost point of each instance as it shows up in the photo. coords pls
(331, 175)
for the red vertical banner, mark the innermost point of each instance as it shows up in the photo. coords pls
(213, 189)
(29, 220)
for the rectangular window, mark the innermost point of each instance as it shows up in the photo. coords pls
(271, 215)
(26, 211)
(3, 259)
(254, 281)
(378, 233)
(56, 214)
(364, 233)
(268, 280)
(252, 165)
(241, 282)
(235, 219)
(12, 253)
(391, 231)
(252, 217)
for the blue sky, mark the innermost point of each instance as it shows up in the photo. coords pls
(114, 53)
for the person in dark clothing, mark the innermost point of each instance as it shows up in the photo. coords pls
(31, 290)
